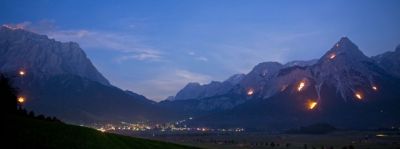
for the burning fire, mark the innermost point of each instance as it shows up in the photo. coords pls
(301, 86)
(375, 88)
(311, 104)
(21, 73)
(21, 99)
(250, 92)
(333, 55)
(359, 96)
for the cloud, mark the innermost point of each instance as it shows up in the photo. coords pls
(142, 56)
(197, 57)
(201, 58)
(101, 39)
(92, 39)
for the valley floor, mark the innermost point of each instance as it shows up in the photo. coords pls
(337, 140)
(26, 132)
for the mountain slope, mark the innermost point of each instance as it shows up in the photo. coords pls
(348, 69)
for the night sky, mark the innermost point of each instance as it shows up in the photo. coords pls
(156, 47)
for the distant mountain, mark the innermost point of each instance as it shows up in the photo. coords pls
(196, 91)
(390, 61)
(344, 87)
(196, 99)
(61, 81)
(255, 79)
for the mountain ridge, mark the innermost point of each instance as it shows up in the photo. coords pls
(344, 73)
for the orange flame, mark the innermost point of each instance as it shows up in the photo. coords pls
(358, 96)
(311, 104)
(21, 99)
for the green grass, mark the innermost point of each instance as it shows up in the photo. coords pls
(33, 133)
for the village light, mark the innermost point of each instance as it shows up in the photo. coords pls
(102, 130)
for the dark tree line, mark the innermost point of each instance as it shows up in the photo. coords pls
(8, 96)
(9, 106)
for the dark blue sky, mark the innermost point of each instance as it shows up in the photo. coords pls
(156, 47)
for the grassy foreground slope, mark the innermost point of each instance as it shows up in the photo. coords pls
(34, 133)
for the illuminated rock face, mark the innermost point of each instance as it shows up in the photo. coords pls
(44, 57)
(348, 70)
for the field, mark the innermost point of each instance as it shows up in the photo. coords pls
(336, 140)
(26, 132)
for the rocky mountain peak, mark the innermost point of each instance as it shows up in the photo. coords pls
(345, 50)
(43, 57)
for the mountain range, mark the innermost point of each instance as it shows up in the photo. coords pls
(343, 87)
(303, 92)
